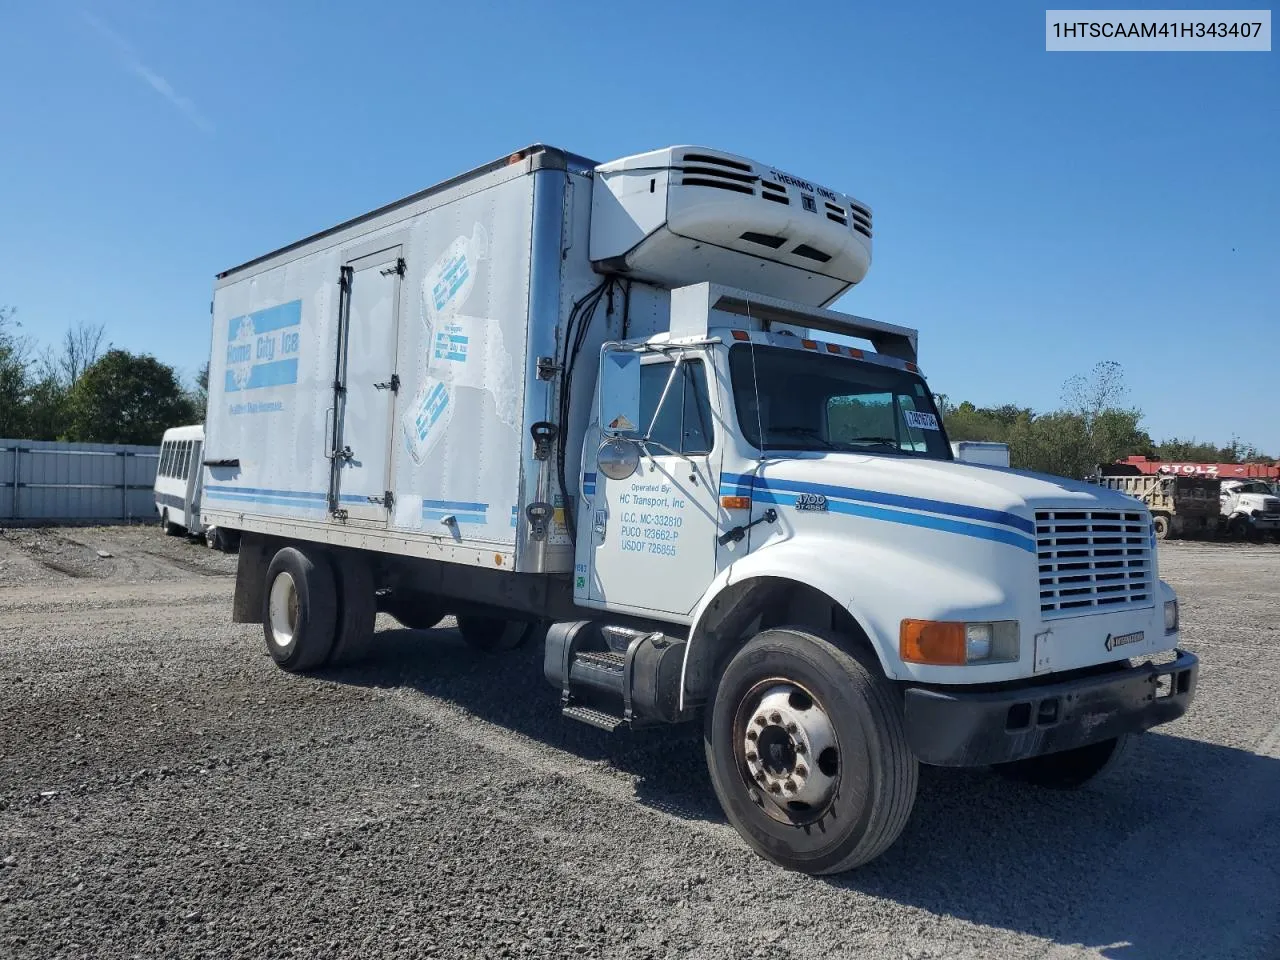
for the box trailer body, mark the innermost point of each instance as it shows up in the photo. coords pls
(987, 452)
(591, 403)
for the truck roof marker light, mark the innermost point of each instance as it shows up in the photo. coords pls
(932, 642)
(735, 503)
(809, 344)
(833, 348)
(855, 353)
(911, 366)
(741, 335)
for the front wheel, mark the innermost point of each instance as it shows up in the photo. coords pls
(808, 754)
(1068, 769)
(1160, 525)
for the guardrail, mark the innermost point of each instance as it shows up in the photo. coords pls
(49, 482)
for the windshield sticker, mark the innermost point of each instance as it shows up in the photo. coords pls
(919, 420)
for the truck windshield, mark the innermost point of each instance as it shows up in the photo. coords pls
(810, 401)
(1255, 486)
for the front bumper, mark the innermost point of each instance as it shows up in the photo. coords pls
(956, 728)
(1266, 522)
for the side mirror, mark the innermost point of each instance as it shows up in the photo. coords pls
(618, 458)
(619, 392)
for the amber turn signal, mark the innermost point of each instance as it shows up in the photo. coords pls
(932, 641)
(736, 503)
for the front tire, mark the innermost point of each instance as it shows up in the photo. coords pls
(1160, 525)
(1068, 769)
(299, 609)
(808, 754)
(170, 529)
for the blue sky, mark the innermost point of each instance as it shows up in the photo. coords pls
(1035, 212)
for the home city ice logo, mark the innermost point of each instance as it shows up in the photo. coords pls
(262, 348)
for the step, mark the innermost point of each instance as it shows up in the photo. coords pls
(596, 718)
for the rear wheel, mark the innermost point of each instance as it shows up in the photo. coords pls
(494, 633)
(1069, 769)
(808, 754)
(357, 610)
(415, 611)
(299, 609)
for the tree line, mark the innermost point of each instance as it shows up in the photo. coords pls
(1096, 424)
(85, 391)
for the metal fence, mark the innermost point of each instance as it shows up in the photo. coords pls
(47, 482)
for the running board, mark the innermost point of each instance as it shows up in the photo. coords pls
(593, 717)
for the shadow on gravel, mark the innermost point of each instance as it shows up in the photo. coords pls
(508, 689)
(1175, 854)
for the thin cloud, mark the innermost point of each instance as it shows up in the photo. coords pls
(129, 60)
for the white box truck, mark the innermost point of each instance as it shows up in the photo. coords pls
(585, 401)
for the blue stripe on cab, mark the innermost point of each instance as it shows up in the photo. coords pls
(996, 534)
(884, 499)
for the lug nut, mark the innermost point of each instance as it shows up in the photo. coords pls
(761, 720)
(802, 771)
(774, 788)
(791, 727)
(800, 747)
(752, 755)
(790, 786)
(775, 717)
(752, 735)
(761, 776)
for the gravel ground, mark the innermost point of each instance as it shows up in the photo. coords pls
(165, 791)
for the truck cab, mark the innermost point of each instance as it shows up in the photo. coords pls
(1250, 508)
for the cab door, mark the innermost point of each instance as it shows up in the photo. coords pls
(653, 535)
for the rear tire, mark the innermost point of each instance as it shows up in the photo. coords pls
(357, 610)
(1069, 769)
(170, 529)
(299, 609)
(493, 634)
(828, 781)
(415, 611)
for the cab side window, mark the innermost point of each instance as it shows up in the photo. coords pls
(684, 425)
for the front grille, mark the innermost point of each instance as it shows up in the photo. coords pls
(1271, 505)
(1093, 561)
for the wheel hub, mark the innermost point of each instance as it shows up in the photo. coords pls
(283, 609)
(789, 746)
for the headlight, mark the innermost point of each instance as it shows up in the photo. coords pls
(1170, 616)
(952, 643)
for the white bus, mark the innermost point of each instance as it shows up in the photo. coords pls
(178, 480)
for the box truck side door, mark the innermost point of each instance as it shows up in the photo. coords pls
(653, 535)
(366, 386)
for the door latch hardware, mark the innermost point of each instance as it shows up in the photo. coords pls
(393, 384)
(387, 499)
(344, 454)
(737, 533)
(547, 368)
(544, 434)
(539, 515)
(397, 270)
